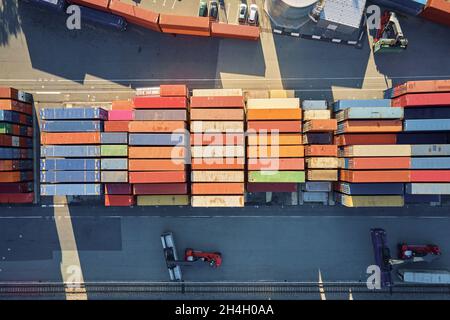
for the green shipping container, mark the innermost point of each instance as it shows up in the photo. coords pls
(114, 150)
(276, 176)
(5, 128)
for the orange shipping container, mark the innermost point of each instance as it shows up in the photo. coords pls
(218, 164)
(214, 139)
(281, 126)
(136, 15)
(95, 4)
(122, 105)
(274, 114)
(156, 152)
(217, 102)
(7, 104)
(116, 126)
(155, 165)
(217, 188)
(157, 176)
(185, 25)
(16, 176)
(156, 126)
(379, 163)
(173, 90)
(375, 176)
(279, 139)
(217, 114)
(276, 164)
(319, 125)
(437, 11)
(371, 126)
(70, 138)
(275, 151)
(235, 31)
(321, 150)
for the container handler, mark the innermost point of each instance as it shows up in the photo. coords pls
(390, 36)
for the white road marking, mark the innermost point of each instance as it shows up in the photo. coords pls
(174, 2)
(350, 295)
(48, 92)
(321, 289)
(164, 3)
(228, 216)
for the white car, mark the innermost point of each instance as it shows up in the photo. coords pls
(242, 12)
(253, 14)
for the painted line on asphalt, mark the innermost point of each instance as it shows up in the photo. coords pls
(47, 92)
(209, 217)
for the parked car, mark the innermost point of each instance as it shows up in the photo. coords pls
(213, 10)
(203, 9)
(242, 12)
(253, 15)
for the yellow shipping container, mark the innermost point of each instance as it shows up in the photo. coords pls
(322, 163)
(372, 201)
(257, 94)
(217, 201)
(384, 150)
(217, 151)
(277, 103)
(217, 176)
(216, 92)
(322, 175)
(217, 126)
(281, 94)
(316, 114)
(165, 200)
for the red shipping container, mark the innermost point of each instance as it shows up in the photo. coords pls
(422, 86)
(430, 175)
(173, 90)
(120, 115)
(16, 197)
(20, 187)
(437, 11)
(117, 188)
(160, 102)
(160, 188)
(115, 126)
(95, 4)
(218, 102)
(8, 93)
(157, 176)
(422, 100)
(119, 200)
(8, 104)
(185, 25)
(235, 31)
(375, 176)
(271, 187)
(365, 139)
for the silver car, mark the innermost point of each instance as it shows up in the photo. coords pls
(253, 15)
(242, 12)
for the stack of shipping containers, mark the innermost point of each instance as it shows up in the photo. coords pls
(114, 164)
(70, 151)
(158, 147)
(275, 149)
(373, 166)
(319, 156)
(217, 148)
(16, 146)
(426, 127)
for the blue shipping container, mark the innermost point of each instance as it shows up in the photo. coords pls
(15, 153)
(114, 138)
(72, 126)
(84, 113)
(71, 189)
(70, 176)
(314, 105)
(421, 138)
(345, 104)
(318, 138)
(411, 7)
(430, 150)
(70, 164)
(371, 188)
(14, 117)
(422, 198)
(156, 139)
(70, 151)
(430, 163)
(114, 164)
(427, 125)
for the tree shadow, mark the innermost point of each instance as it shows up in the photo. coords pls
(9, 21)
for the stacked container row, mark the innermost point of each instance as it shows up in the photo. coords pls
(16, 146)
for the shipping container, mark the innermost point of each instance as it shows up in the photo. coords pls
(15, 117)
(19, 187)
(173, 90)
(427, 125)
(17, 197)
(430, 150)
(271, 187)
(155, 165)
(317, 186)
(160, 102)
(120, 115)
(320, 125)
(430, 163)
(422, 138)
(117, 188)
(370, 113)
(71, 189)
(376, 151)
(274, 126)
(437, 11)
(422, 100)
(160, 188)
(322, 163)
(156, 126)
(18, 106)
(16, 176)
(217, 176)
(158, 115)
(217, 139)
(157, 139)
(217, 114)
(321, 150)
(375, 176)
(11, 165)
(114, 164)
(217, 126)
(422, 198)
(217, 151)
(217, 188)
(371, 188)
(114, 138)
(427, 113)
(361, 126)
(218, 101)
(315, 197)
(70, 151)
(430, 176)
(314, 105)
(280, 93)
(188, 25)
(69, 176)
(116, 126)
(86, 113)
(57, 138)
(316, 114)
(322, 175)
(157, 176)
(422, 86)
(318, 138)
(114, 176)
(286, 103)
(375, 163)
(290, 164)
(163, 200)
(218, 201)
(411, 7)
(72, 126)
(235, 31)
(157, 153)
(274, 114)
(119, 200)
(275, 151)
(372, 201)
(136, 15)
(274, 139)
(70, 164)
(276, 176)
(366, 139)
(345, 104)
(114, 150)
(15, 153)
(218, 163)
(122, 105)
(95, 4)
(428, 188)
(216, 93)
